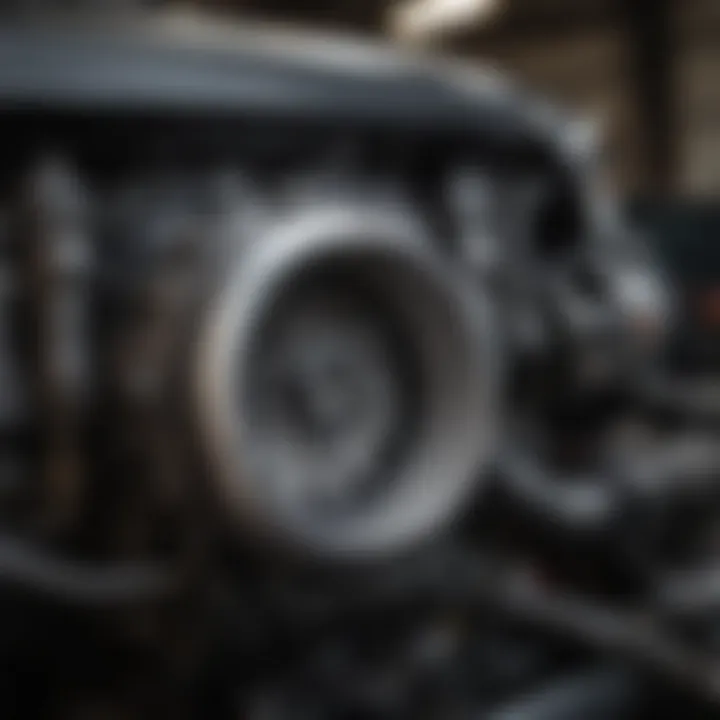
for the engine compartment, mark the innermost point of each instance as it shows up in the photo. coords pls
(332, 390)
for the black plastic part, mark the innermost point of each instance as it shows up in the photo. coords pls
(601, 694)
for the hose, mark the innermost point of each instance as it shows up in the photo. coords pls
(598, 694)
(35, 571)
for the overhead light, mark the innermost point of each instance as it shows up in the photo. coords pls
(423, 19)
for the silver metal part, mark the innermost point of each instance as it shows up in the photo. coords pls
(346, 383)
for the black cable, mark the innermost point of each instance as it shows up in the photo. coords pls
(686, 399)
(598, 694)
(632, 636)
(62, 580)
(693, 594)
(573, 504)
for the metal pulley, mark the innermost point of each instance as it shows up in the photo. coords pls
(347, 381)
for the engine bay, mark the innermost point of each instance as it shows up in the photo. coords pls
(333, 388)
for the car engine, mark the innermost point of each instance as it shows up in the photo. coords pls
(333, 386)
